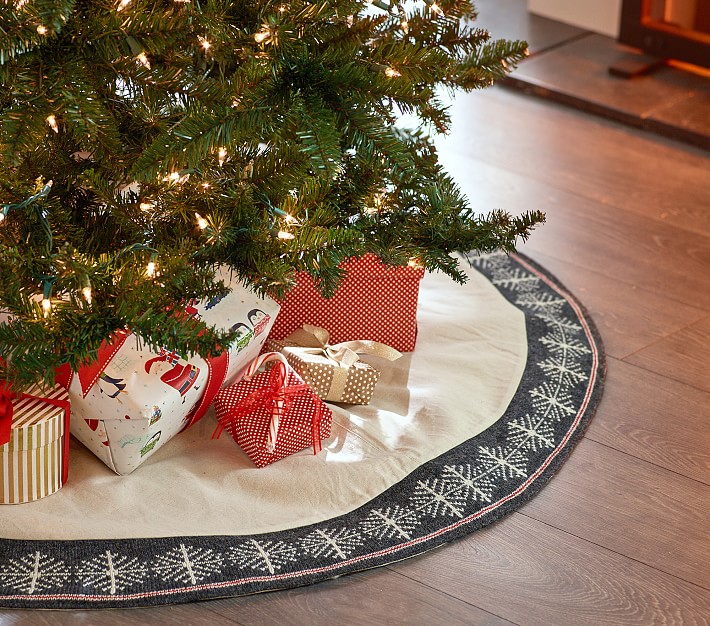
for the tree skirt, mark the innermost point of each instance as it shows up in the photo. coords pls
(507, 372)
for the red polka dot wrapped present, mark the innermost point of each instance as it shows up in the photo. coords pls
(374, 302)
(272, 414)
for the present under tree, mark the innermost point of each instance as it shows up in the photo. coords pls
(144, 144)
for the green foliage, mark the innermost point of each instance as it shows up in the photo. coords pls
(262, 118)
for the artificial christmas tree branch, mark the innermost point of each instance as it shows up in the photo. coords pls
(142, 144)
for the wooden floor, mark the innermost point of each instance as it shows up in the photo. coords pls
(622, 534)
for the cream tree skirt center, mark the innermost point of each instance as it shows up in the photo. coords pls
(471, 353)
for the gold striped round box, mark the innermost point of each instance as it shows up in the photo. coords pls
(31, 462)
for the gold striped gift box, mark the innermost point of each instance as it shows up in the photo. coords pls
(32, 463)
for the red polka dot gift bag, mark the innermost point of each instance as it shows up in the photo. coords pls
(374, 302)
(272, 413)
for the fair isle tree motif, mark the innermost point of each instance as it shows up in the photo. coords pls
(34, 573)
(263, 556)
(187, 564)
(533, 434)
(391, 523)
(332, 543)
(112, 573)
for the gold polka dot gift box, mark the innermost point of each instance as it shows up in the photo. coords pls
(333, 371)
(374, 302)
(272, 414)
(34, 444)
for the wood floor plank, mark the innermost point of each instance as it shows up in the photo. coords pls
(655, 419)
(642, 253)
(682, 356)
(634, 508)
(376, 598)
(176, 615)
(591, 157)
(537, 575)
(629, 318)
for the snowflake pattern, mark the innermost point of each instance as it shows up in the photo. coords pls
(111, 573)
(391, 523)
(332, 543)
(517, 279)
(474, 485)
(438, 497)
(33, 573)
(552, 401)
(187, 564)
(569, 373)
(530, 433)
(263, 556)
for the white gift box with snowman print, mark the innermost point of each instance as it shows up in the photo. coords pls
(131, 401)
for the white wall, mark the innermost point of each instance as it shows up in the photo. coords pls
(601, 16)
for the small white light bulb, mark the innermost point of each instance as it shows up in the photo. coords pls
(201, 221)
(143, 60)
(222, 155)
(150, 270)
(263, 34)
(52, 121)
(86, 292)
(285, 235)
(47, 306)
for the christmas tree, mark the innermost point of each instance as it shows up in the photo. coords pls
(142, 144)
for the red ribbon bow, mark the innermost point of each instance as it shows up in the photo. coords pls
(6, 398)
(278, 397)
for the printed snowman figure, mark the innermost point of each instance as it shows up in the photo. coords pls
(181, 376)
(259, 320)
